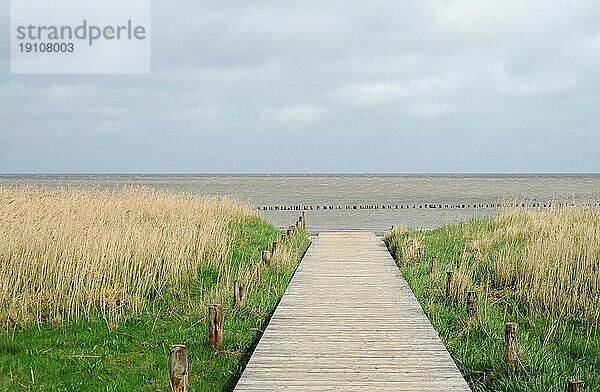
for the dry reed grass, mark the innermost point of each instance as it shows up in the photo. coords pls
(548, 259)
(552, 260)
(71, 253)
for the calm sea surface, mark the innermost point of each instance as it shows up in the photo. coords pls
(354, 190)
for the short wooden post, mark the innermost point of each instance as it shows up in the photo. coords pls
(255, 271)
(178, 368)
(511, 343)
(273, 248)
(449, 276)
(266, 257)
(575, 386)
(304, 220)
(471, 303)
(239, 294)
(434, 266)
(215, 319)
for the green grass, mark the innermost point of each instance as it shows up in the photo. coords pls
(94, 355)
(552, 349)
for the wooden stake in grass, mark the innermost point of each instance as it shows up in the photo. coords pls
(435, 269)
(255, 271)
(511, 344)
(449, 275)
(575, 386)
(273, 248)
(266, 257)
(178, 368)
(215, 319)
(239, 295)
(471, 304)
(304, 220)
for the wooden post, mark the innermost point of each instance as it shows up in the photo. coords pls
(239, 295)
(575, 386)
(511, 344)
(178, 368)
(266, 257)
(471, 303)
(449, 275)
(273, 248)
(434, 266)
(215, 319)
(254, 271)
(304, 220)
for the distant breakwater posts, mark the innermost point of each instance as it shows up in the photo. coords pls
(314, 207)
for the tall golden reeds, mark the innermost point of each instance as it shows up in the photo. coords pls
(552, 260)
(548, 260)
(68, 253)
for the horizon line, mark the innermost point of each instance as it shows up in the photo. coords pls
(303, 173)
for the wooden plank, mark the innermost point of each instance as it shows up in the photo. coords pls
(348, 321)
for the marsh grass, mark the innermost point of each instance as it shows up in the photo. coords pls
(66, 254)
(540, 268)
(97, 285)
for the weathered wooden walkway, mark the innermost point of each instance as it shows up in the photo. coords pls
(348, 321)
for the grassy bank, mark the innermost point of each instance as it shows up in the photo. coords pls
(95, 287)
(540, 269)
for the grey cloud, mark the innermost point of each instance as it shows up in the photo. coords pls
(467, 85)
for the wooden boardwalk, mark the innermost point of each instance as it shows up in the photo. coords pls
(348, 321)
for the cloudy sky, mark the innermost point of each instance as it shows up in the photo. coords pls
(314, 86)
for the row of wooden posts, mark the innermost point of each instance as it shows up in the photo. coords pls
(178, 357)
(299, 207)
(511, 341)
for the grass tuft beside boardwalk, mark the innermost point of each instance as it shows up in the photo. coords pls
(192, 251)
(540, 269)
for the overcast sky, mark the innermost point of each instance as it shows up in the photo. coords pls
(314, 86)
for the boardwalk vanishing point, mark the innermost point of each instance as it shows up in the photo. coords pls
(349, 321)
